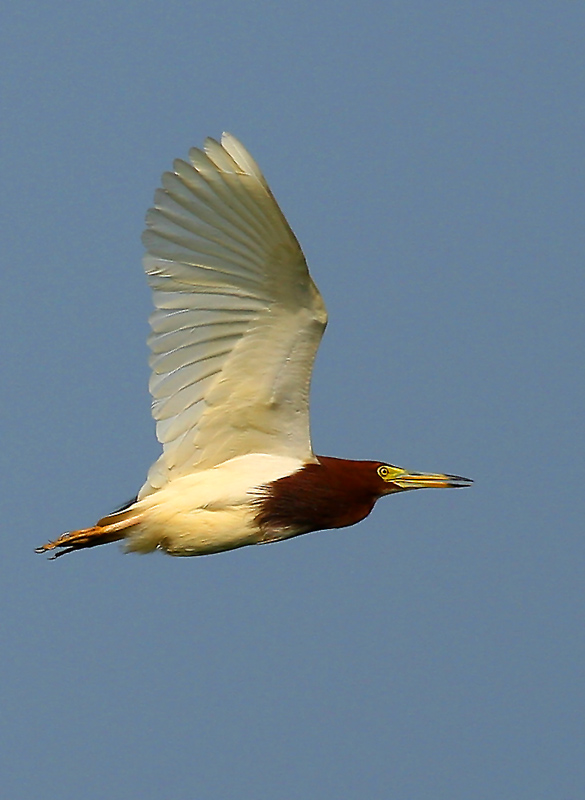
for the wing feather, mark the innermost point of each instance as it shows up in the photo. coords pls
(238, 318)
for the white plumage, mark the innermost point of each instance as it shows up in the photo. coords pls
(238, 321)
(209, 510)
(238, 318)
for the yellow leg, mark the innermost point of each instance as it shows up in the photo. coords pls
(76, 540)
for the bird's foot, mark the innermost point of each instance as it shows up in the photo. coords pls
(76, 540)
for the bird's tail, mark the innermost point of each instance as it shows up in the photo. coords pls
(109, 529)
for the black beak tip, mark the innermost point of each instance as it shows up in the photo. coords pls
(458, 482)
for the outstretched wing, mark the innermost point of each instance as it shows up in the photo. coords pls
(238, 318)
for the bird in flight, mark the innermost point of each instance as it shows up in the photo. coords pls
(238, 321)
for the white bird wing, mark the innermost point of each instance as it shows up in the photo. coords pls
(238, 318)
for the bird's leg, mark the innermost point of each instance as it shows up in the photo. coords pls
(108, 529)
(77, 540)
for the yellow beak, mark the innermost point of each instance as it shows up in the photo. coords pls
(424, 480)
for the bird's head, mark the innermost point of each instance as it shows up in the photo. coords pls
(396, 479)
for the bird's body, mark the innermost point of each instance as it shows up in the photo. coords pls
(208, 511)
(237, 324)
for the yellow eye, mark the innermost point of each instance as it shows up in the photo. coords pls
(383, 472)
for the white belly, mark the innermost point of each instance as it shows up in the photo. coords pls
(208, 511)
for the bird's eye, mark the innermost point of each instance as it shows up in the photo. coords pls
(383, 472)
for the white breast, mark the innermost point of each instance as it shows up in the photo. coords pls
(208, 511)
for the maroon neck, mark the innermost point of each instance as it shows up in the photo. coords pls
(332, 493)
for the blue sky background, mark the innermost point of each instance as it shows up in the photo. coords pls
(429, 157)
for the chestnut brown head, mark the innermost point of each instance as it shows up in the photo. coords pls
(335, 492)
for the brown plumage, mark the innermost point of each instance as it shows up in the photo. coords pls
(332, 493)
